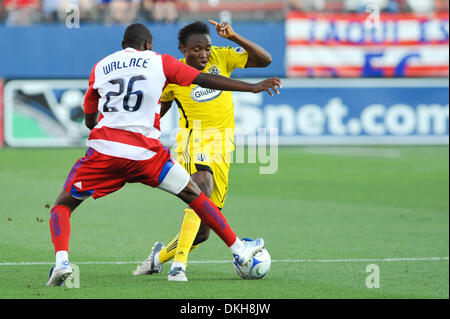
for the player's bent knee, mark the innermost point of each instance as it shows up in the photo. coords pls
(205, 181)
(66, 199)
(205, 188)
(190, 192)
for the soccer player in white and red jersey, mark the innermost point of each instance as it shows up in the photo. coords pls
(124, 147)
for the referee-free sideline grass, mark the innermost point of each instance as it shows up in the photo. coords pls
(326, 215)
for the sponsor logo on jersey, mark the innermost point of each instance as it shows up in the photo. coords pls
(199, 94)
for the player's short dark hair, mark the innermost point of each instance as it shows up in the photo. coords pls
(196, 27)
(136, 34)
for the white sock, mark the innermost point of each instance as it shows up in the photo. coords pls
(61, 256)
(177, 264)
(237, 246)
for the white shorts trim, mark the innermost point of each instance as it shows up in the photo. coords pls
(116, 149)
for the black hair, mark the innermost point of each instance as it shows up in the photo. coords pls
(196, 27)
(136, 34)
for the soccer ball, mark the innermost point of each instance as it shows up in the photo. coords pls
(257, 268)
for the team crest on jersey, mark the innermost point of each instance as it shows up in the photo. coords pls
(240, 50)
(214, 70)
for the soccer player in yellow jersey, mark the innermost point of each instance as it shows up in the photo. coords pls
(206, 137)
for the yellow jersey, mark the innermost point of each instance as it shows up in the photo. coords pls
(208, 109)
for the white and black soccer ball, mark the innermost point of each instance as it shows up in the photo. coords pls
(257, 268)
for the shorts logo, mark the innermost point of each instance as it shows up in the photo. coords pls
(202, 157)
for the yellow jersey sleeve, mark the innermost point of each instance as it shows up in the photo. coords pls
(236, 58)
(168, 94)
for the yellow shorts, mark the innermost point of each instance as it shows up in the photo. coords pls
(202, 156)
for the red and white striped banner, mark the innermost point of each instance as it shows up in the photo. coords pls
(362, 45)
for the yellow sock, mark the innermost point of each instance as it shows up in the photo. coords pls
(189, 229)
(168, 252)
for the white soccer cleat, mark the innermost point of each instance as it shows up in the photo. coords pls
(177, 274)
(148, 267)
(59, 274)
(251, 247)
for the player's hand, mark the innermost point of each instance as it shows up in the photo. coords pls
(223, 29)
(273, 83)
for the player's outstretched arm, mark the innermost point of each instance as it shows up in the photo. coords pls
(218, 82)
(258, 57)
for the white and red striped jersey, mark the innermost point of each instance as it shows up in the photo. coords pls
(126, 88)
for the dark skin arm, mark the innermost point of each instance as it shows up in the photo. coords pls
(257, 56)
(211, 81)
(218, 82)
(165, 106)
(90, 120)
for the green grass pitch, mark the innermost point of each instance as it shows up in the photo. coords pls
(327, 214)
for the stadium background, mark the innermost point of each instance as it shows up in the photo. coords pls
(399, 40)
(353, 78)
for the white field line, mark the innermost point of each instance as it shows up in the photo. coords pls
(395, 259)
